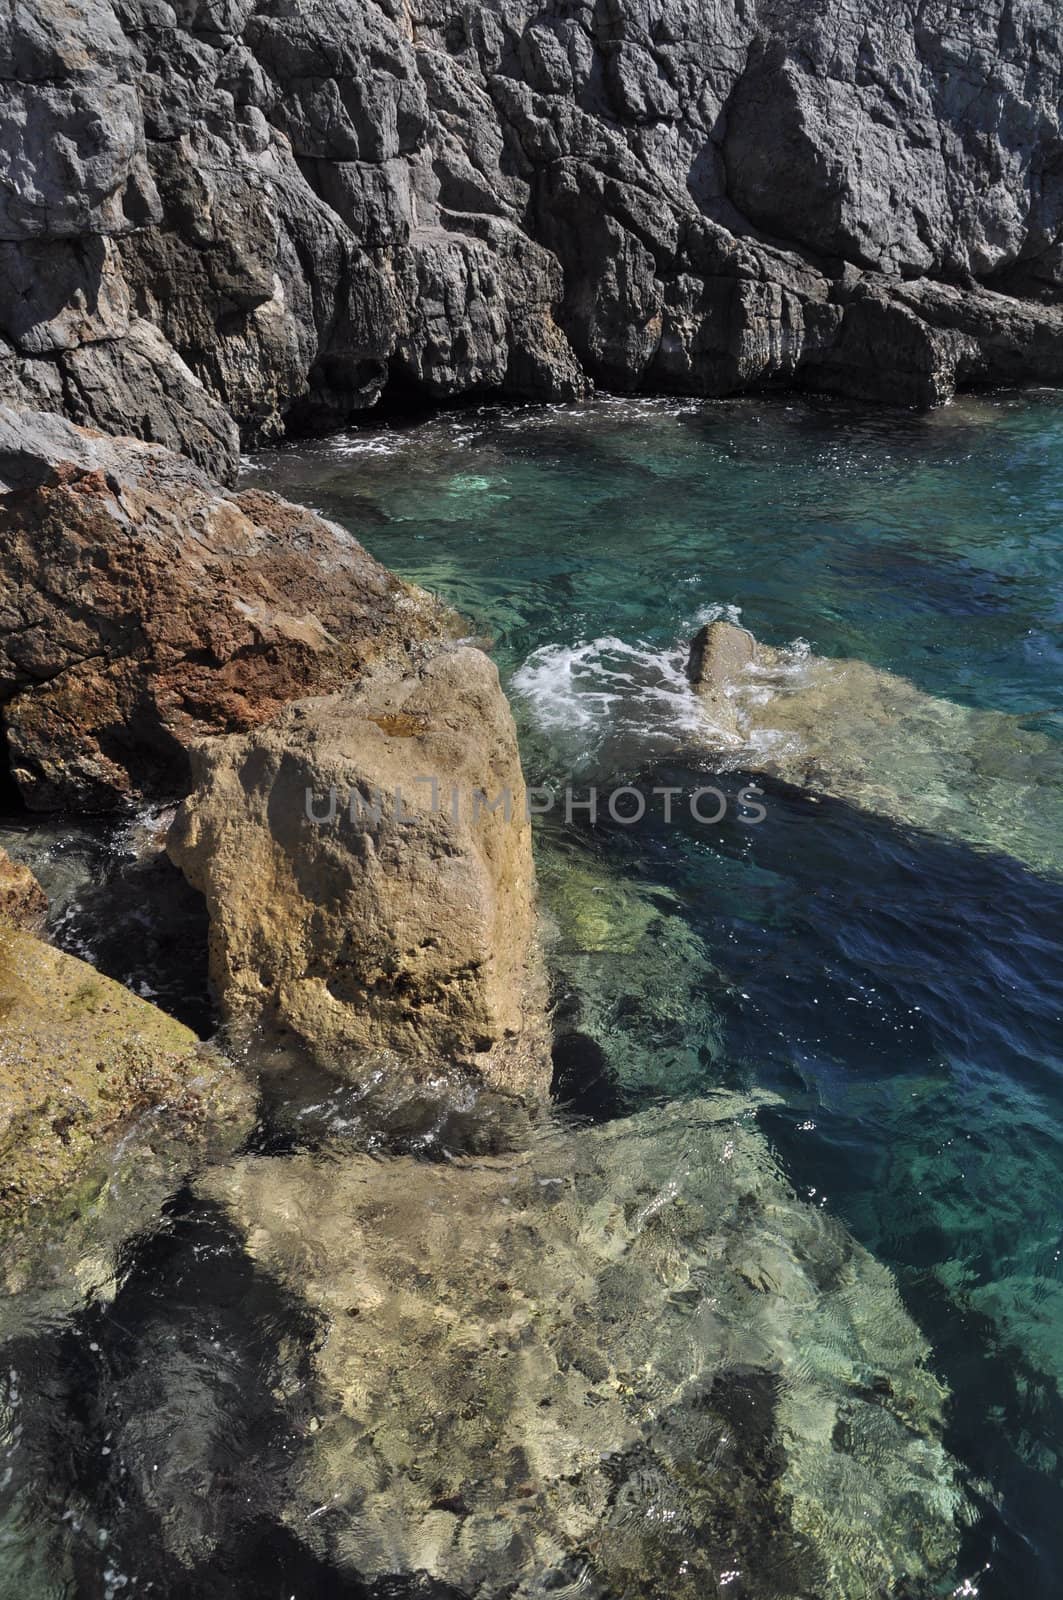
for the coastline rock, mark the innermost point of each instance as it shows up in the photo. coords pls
(149, 619)
(849, 729)
(23, 903)
(83, 1061)
(249, 215)
(365, 902)
(142, 607)
(628, 1358)
(719, 653)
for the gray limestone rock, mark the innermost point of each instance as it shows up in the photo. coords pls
(315, 206)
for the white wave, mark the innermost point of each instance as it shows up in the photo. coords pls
(366, 444)
(718, 613)
(607, 702)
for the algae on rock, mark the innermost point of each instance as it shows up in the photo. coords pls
(636, 990)
(81, 1059)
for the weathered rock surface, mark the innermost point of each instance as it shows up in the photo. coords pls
(145, 615)
(849, 729)
(81, 1059)
(365, 901)
(720, 652)
(252, 211)
(141, 608)
(23, 903)
(627, 1360)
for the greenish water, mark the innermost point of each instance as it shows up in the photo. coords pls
(900, 990)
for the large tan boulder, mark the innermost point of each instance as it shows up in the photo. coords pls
(82, 1060)
(142, 607)
(397, 926)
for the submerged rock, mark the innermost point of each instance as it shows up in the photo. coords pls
(252, 214)
(365, 901)
(81, 1061)
(637, 994)
(849, 729)
(142, 607)
(627, 1358)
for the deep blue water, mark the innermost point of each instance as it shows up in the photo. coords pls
(900, 992)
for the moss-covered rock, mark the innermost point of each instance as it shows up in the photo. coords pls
(81, 1058)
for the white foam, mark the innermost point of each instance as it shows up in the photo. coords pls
(609, 702)
(366, 444)
(718, 613)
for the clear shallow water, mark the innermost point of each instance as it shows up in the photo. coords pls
(893, 996)
(901, 992)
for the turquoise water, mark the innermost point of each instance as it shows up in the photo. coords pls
(899, 991)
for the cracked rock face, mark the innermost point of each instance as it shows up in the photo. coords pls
(142, 608)
(241, 217)
(366, 862)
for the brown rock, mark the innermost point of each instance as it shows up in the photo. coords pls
(141, 607)
(23, 903)
(384, 927)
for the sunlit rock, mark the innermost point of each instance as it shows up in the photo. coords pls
(628, 1357)
(23, 903)
(142, 607)
(366, 862)
(82, 1061)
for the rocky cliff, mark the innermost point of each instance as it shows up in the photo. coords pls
(226, 218)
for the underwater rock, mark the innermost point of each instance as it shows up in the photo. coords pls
(849, 729)
(637, 994)
(23, 903)
(628, 1357)
(81, 1060)
(366, 862)
(142, 607)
